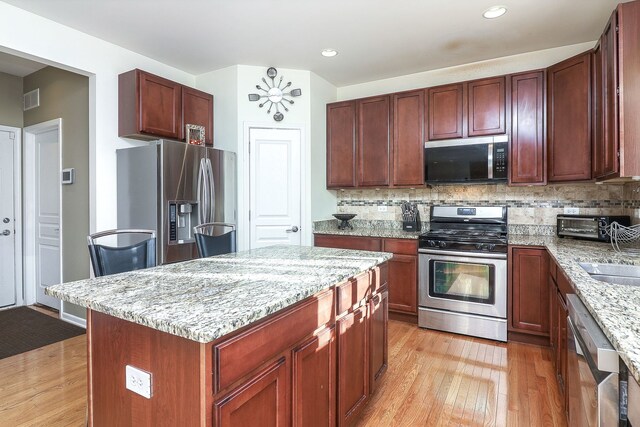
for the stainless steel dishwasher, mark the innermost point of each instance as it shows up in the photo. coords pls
(592, 370)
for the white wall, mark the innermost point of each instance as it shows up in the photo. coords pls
(223, 84)
(475, 70)
(30, 36)
(323, 201)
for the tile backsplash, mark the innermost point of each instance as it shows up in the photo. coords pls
(527, 205)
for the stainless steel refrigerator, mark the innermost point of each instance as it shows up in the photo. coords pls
(171, 187)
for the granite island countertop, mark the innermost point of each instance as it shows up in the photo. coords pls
(207, 298)
(616, 308)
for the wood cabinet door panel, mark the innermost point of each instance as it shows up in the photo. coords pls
(553, 317)
(260, 401)
(403, 283)
(408, 139)
(486, 103)
(197, 109)
(353, 364)
(341, 144)
(561, 353)
(160, 105)
(445, 112)
(314, 376)
(569, 141)
(374, 134)
(527, 151)
(610, 165)
(597, 113)
(379, 347)
(530, 291)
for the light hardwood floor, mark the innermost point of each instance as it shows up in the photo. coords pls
(434, 379)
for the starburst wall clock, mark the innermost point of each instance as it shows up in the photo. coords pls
(274, 95)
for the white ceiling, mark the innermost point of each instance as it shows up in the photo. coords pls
(20, 67)
(375, 38)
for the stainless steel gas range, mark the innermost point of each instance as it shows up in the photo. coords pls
(463, 271)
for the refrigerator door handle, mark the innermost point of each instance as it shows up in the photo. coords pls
(201, 195)
(211, 206)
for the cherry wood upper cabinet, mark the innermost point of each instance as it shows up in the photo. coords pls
(341, 144)
(152, 107)
(569, 119)
(527, 129)
(607, 148)
(374, 137)
(598, 148)
(529, 290)
(445, 111)
(408, 139)
(197, 109)
(149, 106)
(628, 51)
(486, 107)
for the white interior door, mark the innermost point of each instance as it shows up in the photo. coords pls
(275, 183)
(7, 220)
(47, 209)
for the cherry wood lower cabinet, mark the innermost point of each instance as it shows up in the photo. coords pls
(528, 311)
(314, 381)
(311, 364)
(353, 362)
(403, 268)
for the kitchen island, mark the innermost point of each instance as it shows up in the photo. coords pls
(271, 336)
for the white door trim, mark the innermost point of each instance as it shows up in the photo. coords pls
(30, 266)
(244, 194)
(17, 209)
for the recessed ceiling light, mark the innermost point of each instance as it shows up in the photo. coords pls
(329, 52)
(494, 12)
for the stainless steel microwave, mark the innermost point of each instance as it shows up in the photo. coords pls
(468, 161)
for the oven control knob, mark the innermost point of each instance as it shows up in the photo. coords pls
(442, 244)
(479, 246)
(491, 246)
(431, 243)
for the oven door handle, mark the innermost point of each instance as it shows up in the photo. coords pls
(488, 255)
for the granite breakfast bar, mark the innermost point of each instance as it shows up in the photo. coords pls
(274, 334)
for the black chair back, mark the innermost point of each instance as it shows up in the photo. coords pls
(211, 245)
(111, 260)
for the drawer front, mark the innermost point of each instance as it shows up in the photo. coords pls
(348, 242)
(247, 351)
(352, 292)
(401, 246)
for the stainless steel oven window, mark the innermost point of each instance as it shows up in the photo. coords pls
(462, 281)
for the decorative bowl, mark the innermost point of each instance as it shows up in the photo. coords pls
(344, 217)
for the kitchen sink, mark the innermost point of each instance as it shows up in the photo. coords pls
(619, 274)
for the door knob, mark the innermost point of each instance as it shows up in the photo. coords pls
(293, 229)
(6, 232)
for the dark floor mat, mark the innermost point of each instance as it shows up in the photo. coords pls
(23, 329)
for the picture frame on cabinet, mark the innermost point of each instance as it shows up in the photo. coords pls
(194, 134)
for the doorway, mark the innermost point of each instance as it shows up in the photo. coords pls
(42, 211)
(10, 217)
(275, 183)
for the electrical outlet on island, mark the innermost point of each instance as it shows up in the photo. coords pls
(571, 211)
(382, 208)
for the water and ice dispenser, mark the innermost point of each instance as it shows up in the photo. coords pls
(183, 216)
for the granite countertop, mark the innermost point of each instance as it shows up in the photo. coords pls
(616, 308)
(207, 298)
(368, 228)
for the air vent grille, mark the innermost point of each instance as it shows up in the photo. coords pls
(31, 99)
